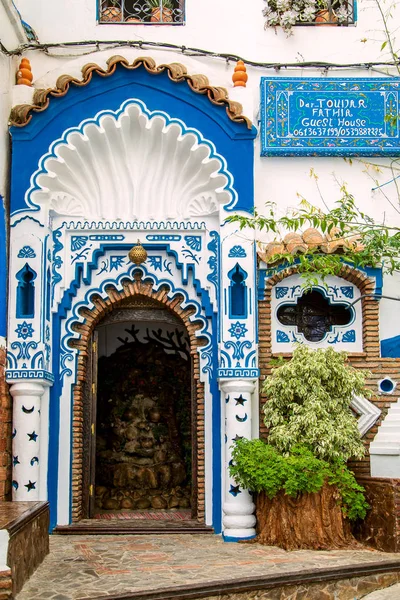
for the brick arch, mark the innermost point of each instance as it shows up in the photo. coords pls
(132, 290)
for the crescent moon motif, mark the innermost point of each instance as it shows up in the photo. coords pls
(34, 460)
(241, 419)
(227, 399)
(28, 411)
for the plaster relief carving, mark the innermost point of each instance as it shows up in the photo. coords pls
(131, 164)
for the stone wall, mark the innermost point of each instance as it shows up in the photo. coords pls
(5, 431)
(381, 527)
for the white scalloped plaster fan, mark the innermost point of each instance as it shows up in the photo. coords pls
(129, 166)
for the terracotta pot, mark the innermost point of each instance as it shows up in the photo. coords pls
(132, 20)
(111, 14)
(166, 15)
(323, 17)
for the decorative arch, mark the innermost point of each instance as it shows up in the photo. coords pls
(131, 290)
(101, 168)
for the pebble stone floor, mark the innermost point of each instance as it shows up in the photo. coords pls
(96, 566)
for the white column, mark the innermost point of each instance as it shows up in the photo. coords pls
(238, 507)
(26, 439)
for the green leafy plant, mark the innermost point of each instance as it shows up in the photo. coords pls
(309, 404)
(312, 431)
(166, 4)
(260, 467)
(368, 243)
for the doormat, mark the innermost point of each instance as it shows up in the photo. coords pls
(184, 515)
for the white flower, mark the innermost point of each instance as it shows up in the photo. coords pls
(308, 14)
(289, 17)
(283, 5)
(272, 18)
(342, 14)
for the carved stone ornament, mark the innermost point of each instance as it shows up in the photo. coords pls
(134, 163)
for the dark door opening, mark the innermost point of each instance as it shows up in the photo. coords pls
(143, 450)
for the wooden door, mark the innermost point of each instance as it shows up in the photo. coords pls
(89, 430)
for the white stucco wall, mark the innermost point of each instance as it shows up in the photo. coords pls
(239, 28)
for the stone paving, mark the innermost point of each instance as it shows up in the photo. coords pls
(92, 566)
(390, 593)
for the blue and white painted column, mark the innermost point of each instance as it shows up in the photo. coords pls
(238, 370)
(239, 520)
(26, 439)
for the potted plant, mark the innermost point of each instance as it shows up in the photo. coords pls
(306, 495)
(111, 12)
(287, 13)
(158, 14)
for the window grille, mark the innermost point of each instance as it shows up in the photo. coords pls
(314, 316)
(144, 12)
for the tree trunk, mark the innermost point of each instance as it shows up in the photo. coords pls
(310, 521)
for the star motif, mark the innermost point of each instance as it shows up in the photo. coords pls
(235, 490)
(237, 438)
(24, 330)
(15, 484)
(30, 485)
(238, 330)
(240, 400)
(15, 461)
(32, 436)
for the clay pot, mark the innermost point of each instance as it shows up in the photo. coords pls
(100, 490)
(184, 503)
(143, 503)
(158, 502)
(166, 15)
(111, 14)
(324, 17)
(133, 20)
(178, 473)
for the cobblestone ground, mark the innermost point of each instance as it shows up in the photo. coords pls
(92, 566)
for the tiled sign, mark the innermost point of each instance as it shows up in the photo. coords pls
(323, 117)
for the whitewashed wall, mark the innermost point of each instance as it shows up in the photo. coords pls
(238, 27)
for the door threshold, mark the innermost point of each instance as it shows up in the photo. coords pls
(132, 527)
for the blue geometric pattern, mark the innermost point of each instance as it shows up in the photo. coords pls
(237, 252)
(26, 252)
(238, 330)
(24, 330)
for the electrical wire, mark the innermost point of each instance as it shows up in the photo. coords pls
(195, 52)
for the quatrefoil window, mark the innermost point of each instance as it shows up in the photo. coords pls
(314, 316)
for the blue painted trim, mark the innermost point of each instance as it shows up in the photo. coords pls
(233, 141)
(377, 274)
(3, 269)
(54, 427)
(216, 433)
(228, 538)
(390, 348)
(373, 272)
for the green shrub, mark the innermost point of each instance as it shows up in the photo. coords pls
(308, 404)
(260, 467)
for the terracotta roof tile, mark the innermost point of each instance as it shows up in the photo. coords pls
(310, 239)
(22, 113)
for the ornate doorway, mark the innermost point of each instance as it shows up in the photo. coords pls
(143, 459)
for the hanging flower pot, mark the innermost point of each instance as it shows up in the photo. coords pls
(161, 12)
(111, 14)
(326, 17)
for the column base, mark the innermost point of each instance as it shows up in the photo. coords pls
(238, 535)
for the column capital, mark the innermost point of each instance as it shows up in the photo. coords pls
(237, 385)
(28, 388)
